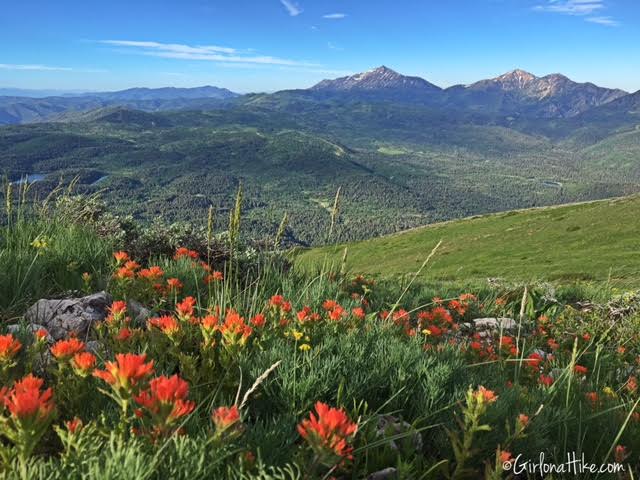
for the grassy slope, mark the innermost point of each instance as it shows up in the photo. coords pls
(579, 241)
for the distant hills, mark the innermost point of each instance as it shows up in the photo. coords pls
(23, 109)
(167, 93)
(514, 95)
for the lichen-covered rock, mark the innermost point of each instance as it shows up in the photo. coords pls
(67, 316)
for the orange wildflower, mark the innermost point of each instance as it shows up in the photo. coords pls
(118, 307)
(258, 320)
(485, 395)
(359, 313)
(123, 273)
(151, 273)
(63, 350)
(580, 370)
(166, 401)
(592, 397)
(28, 402)
(545, 380)
(185, 308)
(131, 265)
(121, 257)
(166, 324)
(329, 432)
(505, 456)
(234, 330)
(225, 417)
(183, 252)
(9, 347)
(126, 372)
(214, 276)
(74, 425)
(83, 363)
(124, 334)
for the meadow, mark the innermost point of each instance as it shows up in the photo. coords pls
(589, 242)
(249, 366)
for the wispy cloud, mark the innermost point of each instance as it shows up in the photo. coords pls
(571, 7)
(606, 21)
(201, 52)
(333, 46)
(580, 8)
(334, 16)
(44, 68)
(292, 7)
(172, 47)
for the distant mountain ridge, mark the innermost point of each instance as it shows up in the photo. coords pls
(18, 109)
(501, 100)
(167, 93)
(553, 95)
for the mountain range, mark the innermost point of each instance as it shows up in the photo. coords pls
(515, 94)
(403, 151)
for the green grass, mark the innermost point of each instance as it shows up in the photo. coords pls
(588, 241)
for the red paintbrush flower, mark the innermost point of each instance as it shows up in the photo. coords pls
(166, 401)
(63, 350)
(83, 363)
(9, 347)
(166, 324)
(151, 273)
(126, 372)
(28, 402)
(225, 417)
(183, 252)
(121, 257)
(329, 433)
(185, 308)
(174, 284)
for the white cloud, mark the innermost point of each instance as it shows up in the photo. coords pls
(45, 68)
(292, 7)
(571, 7)
(581, 8)
(606, 21)
(200, 52)
(334, 16)
(172, 47)
(333, 46)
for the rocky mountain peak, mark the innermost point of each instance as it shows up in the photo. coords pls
(380, 78)
(516, 79)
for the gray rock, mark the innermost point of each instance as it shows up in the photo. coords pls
(31, 327)
(138, 313)
(96, 348)
(489, 323)
(389, 426)
(70, 315)
(386, 474)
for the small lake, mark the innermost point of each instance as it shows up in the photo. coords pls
(100, 180)
(551, 183)
(30, 178)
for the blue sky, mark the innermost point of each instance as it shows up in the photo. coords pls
(266, 45)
